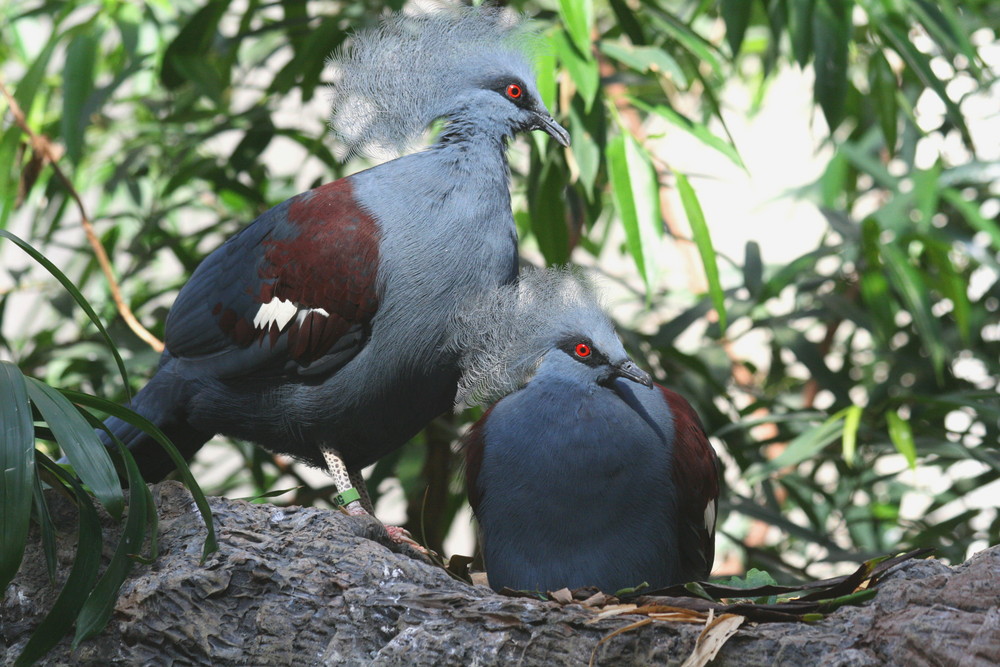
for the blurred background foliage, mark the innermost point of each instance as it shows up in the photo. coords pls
(866, 418)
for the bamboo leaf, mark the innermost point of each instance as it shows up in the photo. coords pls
(852, 419)
(909, 283)
(802, 447)
(635, 192)
(581, 69)
(17, 469)
(970, 212)
(699, 131)
(547, 206)
(736, 14)
(831, 36)
(578, 17)
(919, 63)
(646, 59)
(902, 438)
(191, 43)
(703, 240)
(884, 88)
(753, 269)
(78, 84)
(800, 29)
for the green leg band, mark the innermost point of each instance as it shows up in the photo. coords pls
(346, 497)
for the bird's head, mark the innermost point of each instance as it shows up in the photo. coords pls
(550, 323)
(467, 65)
(579, 357)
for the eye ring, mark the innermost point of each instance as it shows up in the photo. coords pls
(582, 350)
(514, 91)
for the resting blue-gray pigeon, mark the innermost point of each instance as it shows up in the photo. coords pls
(319, 330)
(583, 472)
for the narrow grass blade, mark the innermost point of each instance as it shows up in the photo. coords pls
(75, 293)
(125, 414)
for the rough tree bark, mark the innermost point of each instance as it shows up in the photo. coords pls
(306, 586)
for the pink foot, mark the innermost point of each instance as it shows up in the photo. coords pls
(400, 535)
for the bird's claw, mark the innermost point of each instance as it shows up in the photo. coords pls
(400, 535)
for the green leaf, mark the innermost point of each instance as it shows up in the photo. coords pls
(17, 469)
(578, 17)
(831, 37)
(636, 196)
(910, 284)
(736, 14)
(70, 287)
(191, 44)
(970, 211)
(587, 133)
(78, 440)
(702, 50)
(79, 583)
(951, 285)
(920, 64)
(699, 131)
(546, 80)
(547, 206)
(123, 413)
(902, 438)
(28, 85)
(100, 603)
(800, 29)
(852, 419)
(703, 240)
(583, 71)
(78, 84)
(646, 59)
(884, 88)
(753, 269)
(927, 192)
(802, 447)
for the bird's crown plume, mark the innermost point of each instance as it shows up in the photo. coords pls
(503, 336)
(391, 81)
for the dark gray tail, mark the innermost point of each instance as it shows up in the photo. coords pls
(161, 401)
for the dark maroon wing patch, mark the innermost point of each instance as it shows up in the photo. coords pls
(293, 288)
(473, 444)
(696, 477)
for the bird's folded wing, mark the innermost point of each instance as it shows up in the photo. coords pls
(293, 293)
(696, 477)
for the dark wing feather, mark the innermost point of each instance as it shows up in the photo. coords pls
(696, 478)
(294, 292)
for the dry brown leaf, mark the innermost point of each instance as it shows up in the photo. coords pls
(613, 610)
(716, 633)
(562, 596)
(596, 600)
(690, 617)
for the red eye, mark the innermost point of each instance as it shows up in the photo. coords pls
(514, 91)
(582, 350)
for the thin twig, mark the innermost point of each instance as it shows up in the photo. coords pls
(42, 145)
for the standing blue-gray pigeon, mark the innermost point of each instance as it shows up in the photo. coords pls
(583, 472)
(319, 331)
